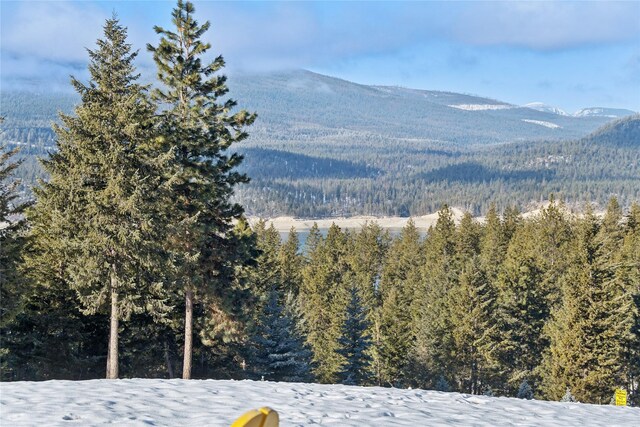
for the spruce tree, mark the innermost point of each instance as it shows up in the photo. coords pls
(198, 125)
(493, 244)
(493, 249)
(366, 259)
(314, 239)
(265, 275)
(280, 353)
(471, 307)
(442, 384)
(12, 243)
(525, 391)
(585, 331)
(355, 343)
(552, 236)
(369, 249)
(12, 239)
(323, 298)
(516, 337)
(395, 321)
(627, 276)
(97, 223)
(434, 349)
(290, 264)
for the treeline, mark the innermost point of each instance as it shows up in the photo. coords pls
(133, 259)
(134, 218)
(512, 306)
(336, 172)
(548, 303)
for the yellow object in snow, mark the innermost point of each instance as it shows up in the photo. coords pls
(621, 397)
(263, 417)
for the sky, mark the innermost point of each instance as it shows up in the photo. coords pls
(567, 54)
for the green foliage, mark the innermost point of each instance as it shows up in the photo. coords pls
(517, 339)
(290, 264)
(323, 297)
(12, 243)
(280, 353)
(198, 127)
(355, 343)
(396, 320)
(97, 223)
(590, 327)
(471, 309)
(435, 345)
(12, 239)
(138, 210)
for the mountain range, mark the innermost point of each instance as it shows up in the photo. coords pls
(305, 104)
(612, 113)
(323, 146)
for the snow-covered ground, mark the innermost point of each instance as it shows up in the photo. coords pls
(139, 402)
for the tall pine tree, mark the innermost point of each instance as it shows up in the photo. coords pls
(517, 339)
(395, 320)
(198, 125)
(97, 223)
(323, 298)
(586, 329)
(434, 339)
(628, 278)
(355, 342)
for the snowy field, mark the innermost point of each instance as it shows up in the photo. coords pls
(217, 403)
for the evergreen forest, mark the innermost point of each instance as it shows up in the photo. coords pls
(134, 257)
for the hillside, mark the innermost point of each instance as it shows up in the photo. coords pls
(624, 132)
(137, 402)
(414, 179)
(325, 147)
(302, 106)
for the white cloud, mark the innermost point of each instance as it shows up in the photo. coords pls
(549, 25)
(58, 31)
(293, 34)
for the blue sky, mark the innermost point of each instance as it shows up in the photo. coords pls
(567, 54)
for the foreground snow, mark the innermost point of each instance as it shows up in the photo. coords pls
(218, 403)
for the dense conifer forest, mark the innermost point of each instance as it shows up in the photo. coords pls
(319, 164)
(551, 300)
(414, 179)
(133, 259)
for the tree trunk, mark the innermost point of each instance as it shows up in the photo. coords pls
(188, 335)
(108, 361)
(167, 359)
(112, 358)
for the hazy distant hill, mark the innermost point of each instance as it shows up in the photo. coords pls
(324, 147)
(603, 112)
(620, 133)
(301, 105)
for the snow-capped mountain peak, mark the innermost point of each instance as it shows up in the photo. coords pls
(540, 106)
(603, 112)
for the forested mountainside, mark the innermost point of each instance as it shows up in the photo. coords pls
(302, 106)
(325, 147)
(414, 179)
